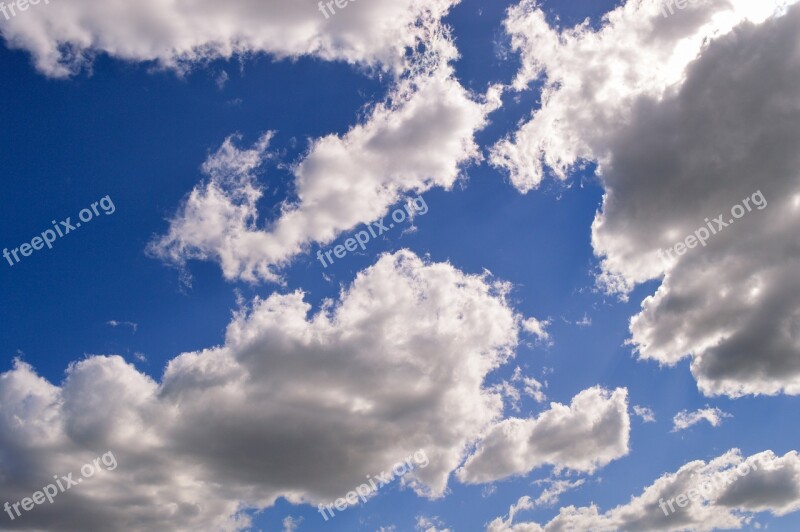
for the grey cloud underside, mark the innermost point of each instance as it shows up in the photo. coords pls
(730, 492)
(589, 433)
(687, 116)
(293, 405)
(732, 129)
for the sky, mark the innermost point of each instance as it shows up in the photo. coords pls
(402, 265)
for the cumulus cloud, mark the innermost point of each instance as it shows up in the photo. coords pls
(688, 116)
(593, 77)
(726, 493)
(731, 305)
(685, 419)
(291, 405)
(417, 139)
(589, 433)
(63, 37)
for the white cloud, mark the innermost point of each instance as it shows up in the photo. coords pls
(687, 116)
(589, 433)
(291, 524)
(297, 405)
(416, 140)
(115, 324)
(538, 328)
(585, 321)
(508, 390)
(685, 419)
(500, 525)
(430, 524)
(294, 405)
(533, 389)
(735, 490)
(647, 414)
(63, 37)
(488, 490)
(531, 386)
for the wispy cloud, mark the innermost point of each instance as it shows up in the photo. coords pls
(115, 324)
(555, 489)
(685, 419)
(647, 415)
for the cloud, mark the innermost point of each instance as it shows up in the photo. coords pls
(731, 306)
(733, 489)
(115, 324)
(290, 405)
(647, 415)
(417, 139)
(221, 79)
(499, 524)
(291, 524)
(687, 117)
(685, 419)
(593, 77)
(589, 433)
(488, 490)
(538, 328)
(531, 386)
(555, 489)
(430, 524)
(64, 37)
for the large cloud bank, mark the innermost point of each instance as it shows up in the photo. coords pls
(291, 405)
(688, 116)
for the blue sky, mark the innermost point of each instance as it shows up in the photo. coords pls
(575, 201)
